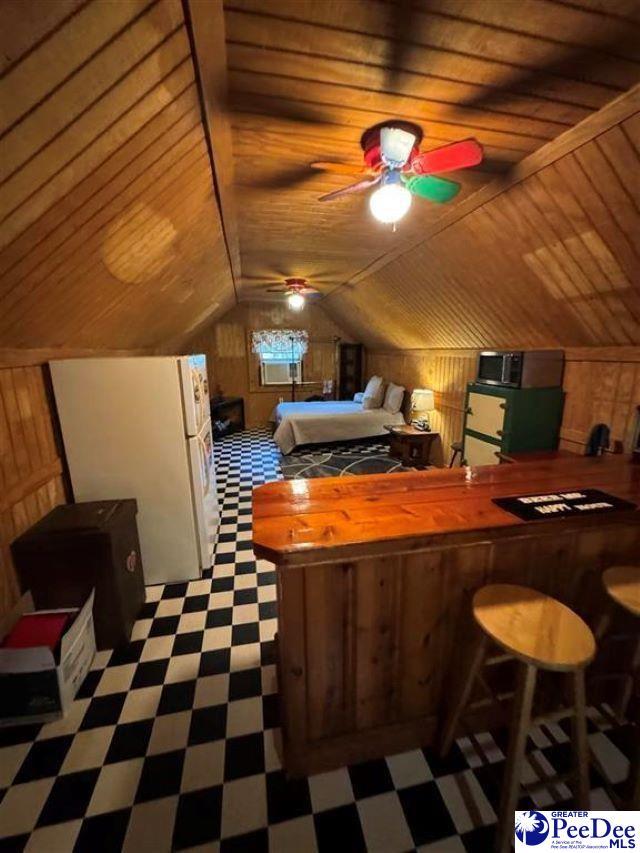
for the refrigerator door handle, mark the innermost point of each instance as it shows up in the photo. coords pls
(201, 498)
(188, 396)
(205, 465)
(204, 415)
(195, 392)
(196, 389)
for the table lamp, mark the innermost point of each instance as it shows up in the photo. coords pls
(422, 402)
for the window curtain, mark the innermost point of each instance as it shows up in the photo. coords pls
(280, 344)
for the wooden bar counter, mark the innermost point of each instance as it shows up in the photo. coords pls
(374, 574)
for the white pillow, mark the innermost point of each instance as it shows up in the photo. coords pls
(393, 398)
(373, 393)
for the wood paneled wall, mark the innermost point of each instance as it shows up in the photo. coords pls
(31, 481)
(234, 369)
(548, 258)
(446, 373)
(602, 385)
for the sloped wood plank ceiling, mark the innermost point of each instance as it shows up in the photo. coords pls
(110, 235)
(553, 260)
(468, 68)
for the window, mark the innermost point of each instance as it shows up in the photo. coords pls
(280, 352)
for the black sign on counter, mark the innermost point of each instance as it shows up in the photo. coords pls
(562, 504)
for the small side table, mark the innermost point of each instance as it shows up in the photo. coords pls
(409, 445)
(227, 411)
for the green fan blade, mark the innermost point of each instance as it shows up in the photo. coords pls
(435, 189)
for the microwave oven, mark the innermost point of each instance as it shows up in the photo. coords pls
(534, 369)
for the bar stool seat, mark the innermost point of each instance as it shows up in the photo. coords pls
(622, 587)
(534, 627)
(540, 633)
(622, 584)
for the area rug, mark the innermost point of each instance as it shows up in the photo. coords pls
(340, 460)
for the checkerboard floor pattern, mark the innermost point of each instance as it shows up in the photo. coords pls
(170, 744)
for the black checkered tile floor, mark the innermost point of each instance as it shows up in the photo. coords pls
(170, 744)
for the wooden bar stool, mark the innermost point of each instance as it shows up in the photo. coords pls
(622, 586)
(541, 634)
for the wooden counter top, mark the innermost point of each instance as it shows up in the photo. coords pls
(374, 579)
(301, 520)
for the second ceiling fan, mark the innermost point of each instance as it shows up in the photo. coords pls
(296, 290)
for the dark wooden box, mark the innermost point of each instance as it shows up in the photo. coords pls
(80, 546)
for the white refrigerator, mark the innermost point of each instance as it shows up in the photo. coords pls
(141, 428)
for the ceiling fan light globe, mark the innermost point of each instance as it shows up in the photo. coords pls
(390, 203)
(295, 301)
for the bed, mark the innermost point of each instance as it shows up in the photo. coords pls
(332, 420)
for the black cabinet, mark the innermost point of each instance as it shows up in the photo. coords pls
(227, 415)
(77, 547)
(350, 373)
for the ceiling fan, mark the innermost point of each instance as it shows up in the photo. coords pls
(392, 160)
(296, 289)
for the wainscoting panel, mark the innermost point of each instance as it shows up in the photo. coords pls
(601, 389)
(31, 481)
(445, 372)
(602, 385)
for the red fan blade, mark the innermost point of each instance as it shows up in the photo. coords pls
(458, 155)
(277, 289)
(352, 188)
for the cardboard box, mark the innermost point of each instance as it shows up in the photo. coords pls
(37, 686)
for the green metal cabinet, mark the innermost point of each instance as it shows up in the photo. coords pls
(509, 420)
